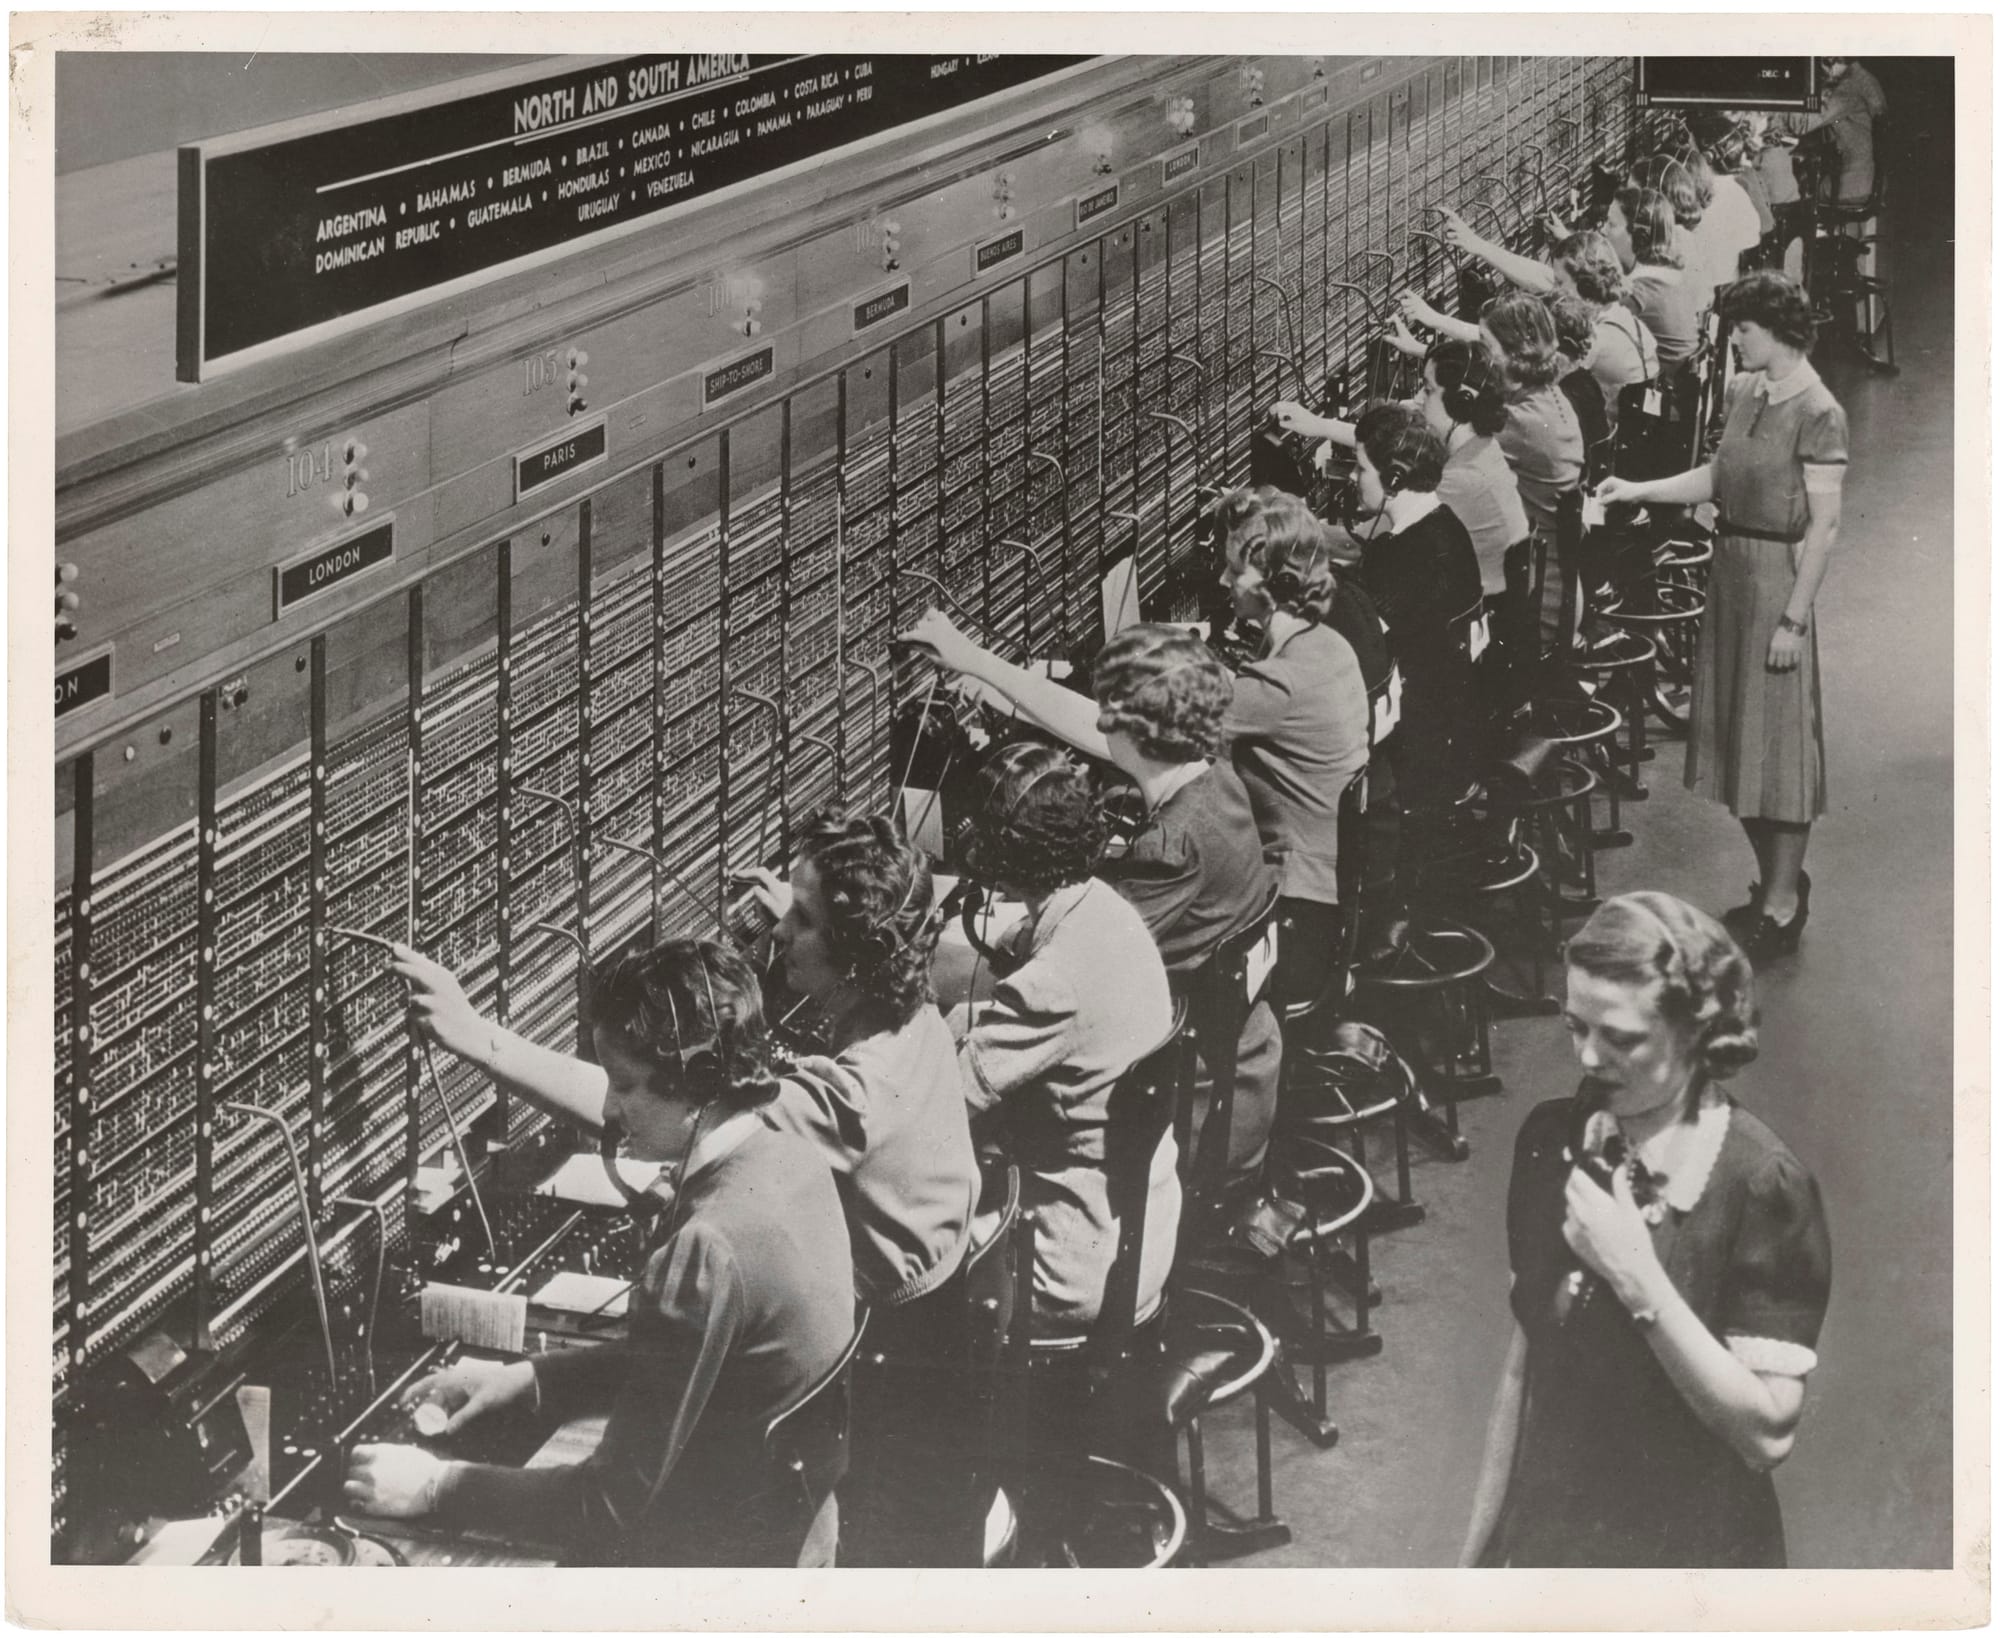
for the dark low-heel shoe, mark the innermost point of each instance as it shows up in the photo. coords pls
(1774, 938)
(1742, 920)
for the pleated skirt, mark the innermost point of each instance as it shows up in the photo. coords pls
(1756, 742)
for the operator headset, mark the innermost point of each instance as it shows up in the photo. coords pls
(704, 1061)
(1396, 471)
(973, 831)
(1461, 399)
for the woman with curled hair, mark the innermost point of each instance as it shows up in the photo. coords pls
(1195, 871)
(1464, 401)
(745, 1301)
(1576, 335)
(856, 933)
(1730, 227)
(1418, 564)
(1639, 225)
(1684, 180)
(1756, 741)
(1671, 1272)
(1582, 265)
(1296, 722)
(1542, 441)
(1080, 997)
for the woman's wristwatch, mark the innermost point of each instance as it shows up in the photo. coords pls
(1796, 627)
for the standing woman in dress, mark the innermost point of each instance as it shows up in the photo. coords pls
(1756, 742)
(1671, 1269)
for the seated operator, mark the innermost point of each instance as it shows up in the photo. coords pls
(746, 1301)
(856, 932)
(1195, 871)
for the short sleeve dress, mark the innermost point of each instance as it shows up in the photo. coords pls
(1612, 1468)
(1756, 742)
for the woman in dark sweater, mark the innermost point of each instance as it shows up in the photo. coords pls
(1418, 565)
(746, 1301)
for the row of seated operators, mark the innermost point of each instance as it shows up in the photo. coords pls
(797, 1180)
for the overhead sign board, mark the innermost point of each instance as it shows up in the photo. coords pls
(289, 230)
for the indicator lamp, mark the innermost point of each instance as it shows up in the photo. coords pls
(576, 360)
(68, 602)
(353, 500)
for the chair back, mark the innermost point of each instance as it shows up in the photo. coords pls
(1354, 871)
(1220, 995)
(988, 1279)
(1141, 1115)
(1142, 1109)
(806, 1450)
(1659, 426)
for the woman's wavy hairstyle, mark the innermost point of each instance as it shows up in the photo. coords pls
(1684, 179)
(1281, 539)
(1470, 379)
(1768, 298)
(1576, 326)
(1165, 687)
(1037, 823)
(1520, 324)
(876, 889)
(1705, 981)
(692, 1003)
(1593, 267)
(1649, 219)
(1400, 441)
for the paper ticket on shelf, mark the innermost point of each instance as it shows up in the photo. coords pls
(574, 1293)
(581, 1179)
(480, 1319)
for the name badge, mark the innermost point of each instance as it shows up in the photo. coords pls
(1263, 958)
(1389, 708)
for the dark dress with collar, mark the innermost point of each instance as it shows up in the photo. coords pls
(1613, 1469)
(1425, 583)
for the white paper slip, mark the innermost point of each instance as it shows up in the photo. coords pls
(480, 1319)
(575, 1293)
(581, 1179)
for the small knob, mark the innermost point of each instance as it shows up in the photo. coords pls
(66, 572)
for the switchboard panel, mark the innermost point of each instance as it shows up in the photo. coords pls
(555, 727)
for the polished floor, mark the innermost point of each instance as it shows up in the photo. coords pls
(1856, 1070)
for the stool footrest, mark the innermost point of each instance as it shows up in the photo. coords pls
(1429, 1129)
(1293, 1406)
(1337, 1347)
(1386, 1216)
(1223, 1539)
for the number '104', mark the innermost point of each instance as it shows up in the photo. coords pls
(308, 469)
